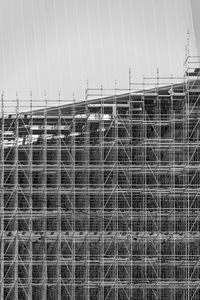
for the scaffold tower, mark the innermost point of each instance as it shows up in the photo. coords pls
(100, 197)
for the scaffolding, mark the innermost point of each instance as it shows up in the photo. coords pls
(100, 198)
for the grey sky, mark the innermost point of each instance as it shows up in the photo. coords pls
(58, 44)
(195, 5)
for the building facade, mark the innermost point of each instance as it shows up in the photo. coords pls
(100, 198)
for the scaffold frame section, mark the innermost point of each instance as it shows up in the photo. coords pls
(100, 197)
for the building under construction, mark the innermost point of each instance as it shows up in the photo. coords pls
(100, 198)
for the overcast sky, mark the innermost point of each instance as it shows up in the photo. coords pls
(58, 44)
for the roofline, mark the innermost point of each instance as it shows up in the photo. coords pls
(104, 98)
